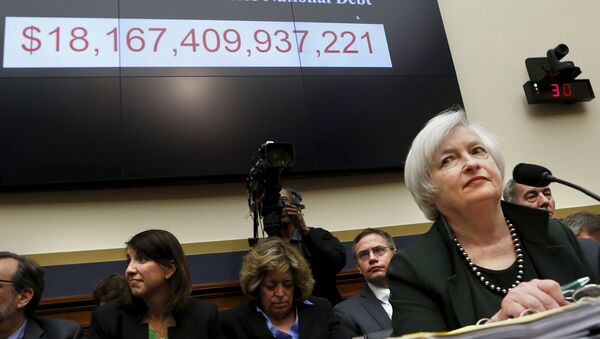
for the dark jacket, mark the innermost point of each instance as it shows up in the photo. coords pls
(316, 322)
(326, 256)
(196, 320)
(40, 328)
(429, 281)
(363, 314)
(591, 252)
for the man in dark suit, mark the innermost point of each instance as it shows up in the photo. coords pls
(369, 313)
(591, 252)
(542, 198)
(21, 286)
(535, 197)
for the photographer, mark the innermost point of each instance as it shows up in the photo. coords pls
(279, 211)
(323, 251)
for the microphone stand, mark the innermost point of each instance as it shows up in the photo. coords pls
(579, 188)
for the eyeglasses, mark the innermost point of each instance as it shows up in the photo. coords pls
(7, 281)
(378, 251)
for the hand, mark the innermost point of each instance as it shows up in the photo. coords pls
(295, 217)
(537, 295)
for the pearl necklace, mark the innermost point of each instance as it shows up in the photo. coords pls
(482, 279)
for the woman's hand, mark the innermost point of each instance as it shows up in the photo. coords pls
(535, 295)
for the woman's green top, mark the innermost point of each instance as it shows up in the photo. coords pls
(152, 334)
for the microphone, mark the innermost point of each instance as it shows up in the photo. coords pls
(539, 176)
(532, 175)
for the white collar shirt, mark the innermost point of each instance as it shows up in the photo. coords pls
(383, 294)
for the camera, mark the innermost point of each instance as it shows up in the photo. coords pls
(264, 184)
(558, 71)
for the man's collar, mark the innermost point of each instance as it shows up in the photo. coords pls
(381, 293)
(20, 332)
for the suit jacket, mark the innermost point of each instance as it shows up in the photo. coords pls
(315, 321)
(591, 252)
(430, 282)
(40, 328)
(327, 257)
(363, 314)
(196, 320)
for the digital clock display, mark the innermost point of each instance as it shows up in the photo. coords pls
(538, 92)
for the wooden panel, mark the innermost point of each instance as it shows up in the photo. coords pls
(225, 295)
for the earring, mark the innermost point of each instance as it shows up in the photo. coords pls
(166, 276)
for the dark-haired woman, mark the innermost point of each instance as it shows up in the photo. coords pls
(159, 305)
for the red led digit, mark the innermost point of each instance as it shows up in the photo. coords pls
(567, 90)
(555, 92)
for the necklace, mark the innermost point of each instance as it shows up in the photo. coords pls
(154, 326)
(482, 279)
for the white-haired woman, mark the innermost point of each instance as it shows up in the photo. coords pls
(482, 258)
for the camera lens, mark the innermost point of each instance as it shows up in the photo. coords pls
(279, 155)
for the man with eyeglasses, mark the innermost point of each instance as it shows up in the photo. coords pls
(369, 312)
(21, 285)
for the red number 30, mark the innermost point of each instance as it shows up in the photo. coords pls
(566, 90)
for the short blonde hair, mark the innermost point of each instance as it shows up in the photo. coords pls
(274, 255)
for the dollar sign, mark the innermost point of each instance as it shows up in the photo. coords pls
(28, 33)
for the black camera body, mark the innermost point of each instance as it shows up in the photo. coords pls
(264, 184)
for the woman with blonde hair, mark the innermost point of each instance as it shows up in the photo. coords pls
(278, 280)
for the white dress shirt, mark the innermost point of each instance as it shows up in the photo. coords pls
(383, 294)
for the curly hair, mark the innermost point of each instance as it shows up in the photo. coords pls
(111, 287)
(274, 255)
